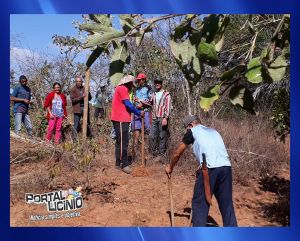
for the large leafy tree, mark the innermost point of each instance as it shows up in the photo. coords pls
(247, 50)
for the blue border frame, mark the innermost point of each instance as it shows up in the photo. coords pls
(149, 6)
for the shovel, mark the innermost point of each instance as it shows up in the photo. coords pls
(133, 138)
(171, 200)
(143, 142)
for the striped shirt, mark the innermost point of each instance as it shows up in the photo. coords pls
(161, 109)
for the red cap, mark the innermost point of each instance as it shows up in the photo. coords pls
(141, 76)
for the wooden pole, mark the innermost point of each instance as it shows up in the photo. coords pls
(133, 138)
(86, 103)
(143, 141)
(171, 200)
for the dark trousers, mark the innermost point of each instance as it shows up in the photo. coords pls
(220, 179)
(77, 127)
(158, 137)
(121, 143)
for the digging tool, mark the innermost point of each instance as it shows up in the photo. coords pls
(171, 200)
(133, 139)
(191, 219)
(143, 141)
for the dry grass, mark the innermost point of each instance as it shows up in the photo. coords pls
(253, 150)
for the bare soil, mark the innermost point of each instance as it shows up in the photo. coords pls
(113, 198)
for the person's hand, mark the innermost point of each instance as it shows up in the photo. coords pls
(168, 170)
(164, 122)
(142, 113)
(135, 99)
(51, 115)
(26, 101)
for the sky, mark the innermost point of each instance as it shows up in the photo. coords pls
(35, 31)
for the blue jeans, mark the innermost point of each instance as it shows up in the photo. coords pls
(158, 137)
(220, 180)
(22, 117)
(77, 127)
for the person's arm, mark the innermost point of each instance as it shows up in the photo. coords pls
(175, 158)
(131, 108)
(167, 106)
(13, 97)
(50, 112)
(74, 98)
(186, 140)
(166, 110)
(47, 102)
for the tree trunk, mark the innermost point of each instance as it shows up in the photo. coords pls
(86, 103)
(188, 94)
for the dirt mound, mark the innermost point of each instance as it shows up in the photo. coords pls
(140, 171)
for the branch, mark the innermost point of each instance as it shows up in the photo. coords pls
(250, 52)
(250, 153)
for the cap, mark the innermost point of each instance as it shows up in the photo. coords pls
(188, 119)
(127, 79)
(141, 76)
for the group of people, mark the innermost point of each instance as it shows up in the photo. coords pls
(133, 102)
(134, 95)
(54, 105)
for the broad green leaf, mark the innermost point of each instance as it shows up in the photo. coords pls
(209, 97)
(219, 37)
(242, 97)
(264, 53)
(118, 60)
(213, 26)
(185, 54)
(98, 39)
(277, 68)
(207, 53)
(127, 22)
(183, 28)
(95, 54)
(95, 27)
(219, 44)
(286, 52)
(254, 71)
(103, 19)
(229, 74)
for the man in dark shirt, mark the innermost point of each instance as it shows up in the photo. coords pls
(77, 95)
(21, 96)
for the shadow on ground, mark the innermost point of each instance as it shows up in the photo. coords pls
(278, 211)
